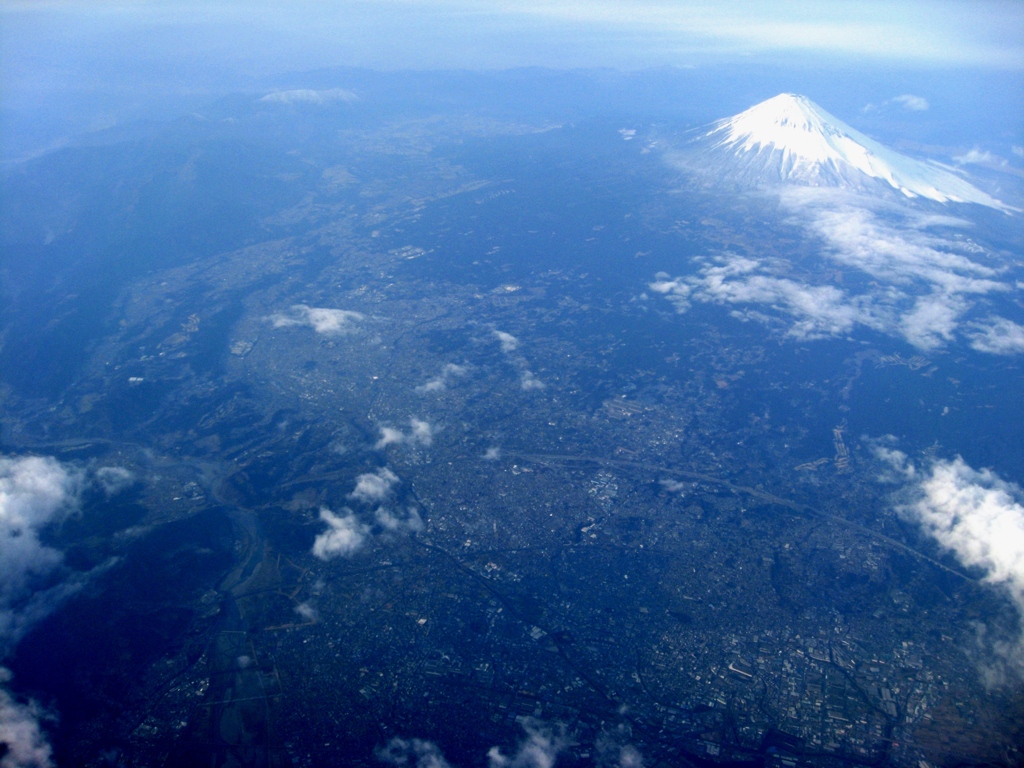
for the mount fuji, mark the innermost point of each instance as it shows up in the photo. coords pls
(790, 139)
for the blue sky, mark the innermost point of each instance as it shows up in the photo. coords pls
(276, 36)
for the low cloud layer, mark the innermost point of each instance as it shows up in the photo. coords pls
(320, 319)
(309, 96)
(916, 276)
(974, 514)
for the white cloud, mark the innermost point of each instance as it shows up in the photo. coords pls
(346, 533)
(411, 522)
(976, 156)
(898, 468)
(35, 491)
(911, 102)
(20, 732)
(320, 319)
(932, 320)
(374, 487)
(309, 96)
(415, 753)
(977, 516)
(630, 757)
(1018, 151)
(908, 101)
(997, 336)
(818, 310)
(440, 382)
(677, 290)
(509, 343)
(492, 454)
(613, 749)
(918, 280)
(539, 749)
(528, 381)
(307, 611)
(893, 245)
(113, 480)
(420, 433)
(672, 486)
(389, 436)
(343, 538)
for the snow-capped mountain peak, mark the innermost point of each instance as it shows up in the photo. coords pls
(789, 138)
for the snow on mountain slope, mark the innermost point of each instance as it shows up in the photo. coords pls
(789, 138)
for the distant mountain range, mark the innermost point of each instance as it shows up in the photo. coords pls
(790, 139)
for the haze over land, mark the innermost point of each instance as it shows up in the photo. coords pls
(520, 384)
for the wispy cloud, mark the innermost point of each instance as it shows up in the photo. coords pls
(997, 336)
(614, 750)
(913, 30)
(440, 382)
(539, 749)
(977, 516)
(977, 156)
(35, 491)
(20, 731)
(415, 753)
(320, 319)
(921, 276)
(818, 311)
(912, 103)
(907, 101)
(308, 96)
(114, 480)
(672, 486)
(528, 381)
(509, 343)
(421, 433)
(395, 522)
